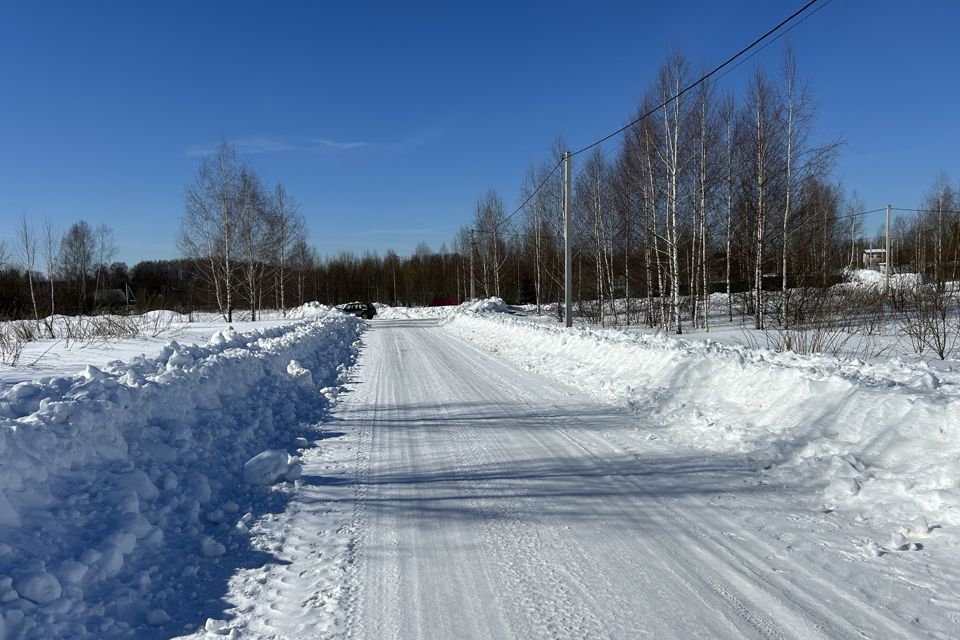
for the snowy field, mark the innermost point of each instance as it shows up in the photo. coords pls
(478, 473)
(849, 319)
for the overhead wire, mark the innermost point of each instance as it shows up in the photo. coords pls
(924, 210)
(680, 93)
(700, 80)
(535, 191)
(607, 150)
(774, 39)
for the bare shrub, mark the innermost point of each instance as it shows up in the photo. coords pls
(817, 339)
(929, 319)
(84, 331)
(841, 320)
(157, 324)
(11, 347)
(98, 330)
(25, 330)
(13, 336)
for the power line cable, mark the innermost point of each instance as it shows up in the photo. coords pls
(804, 222)
(701, 80)
(774, 39)
(721, 76)
(535, 191)
(924, 210)
(505, 233)
(607, 150)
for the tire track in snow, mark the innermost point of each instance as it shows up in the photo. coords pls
(805, 608)
(517, 549)
(801, 610)
(691, 577)
(496, 390)
(511, 549)
(352, 599)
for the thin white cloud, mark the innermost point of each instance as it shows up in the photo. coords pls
(253, 145)
(404, 232)
(333, 144)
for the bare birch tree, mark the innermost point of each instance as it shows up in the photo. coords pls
(50, 258)
(27, 253)
(674, 156)
(76, 258)
(729, 118)
(252, 207)
(286, 228)
(490, 223)
(106, 250)
(208, 226)
(765, 115)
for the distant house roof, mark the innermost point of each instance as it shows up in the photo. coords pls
(874, 250)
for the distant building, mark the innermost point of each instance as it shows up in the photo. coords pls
(109, 297)
(874, 259)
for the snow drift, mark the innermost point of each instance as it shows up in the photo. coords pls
(386, 312)
(119, 487)
(879, 440)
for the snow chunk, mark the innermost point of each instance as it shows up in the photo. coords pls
(298, 373)
(158, 618)
(72, 572)
(217, 627)
(140, 482)
(38, 586)
(111, 560)
(211, 548)
(225, 337)
(8, 513)
(268, 467)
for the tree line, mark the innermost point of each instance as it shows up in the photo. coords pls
(43, 273)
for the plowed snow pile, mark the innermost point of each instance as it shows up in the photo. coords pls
(386, 312)
(126, 492)
(881, 441)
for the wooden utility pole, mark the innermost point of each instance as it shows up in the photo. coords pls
(886, 258)
(473, 250)
(567, 251)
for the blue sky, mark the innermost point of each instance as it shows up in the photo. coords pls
(387, 120)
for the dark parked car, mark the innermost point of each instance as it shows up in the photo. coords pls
(360, 309)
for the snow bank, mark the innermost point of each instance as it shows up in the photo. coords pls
(387, 312)
(484, 306)
(878, 440)
(120, 486)
(309, 310)
(876, 279)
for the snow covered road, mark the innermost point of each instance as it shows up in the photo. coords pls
(459, 497)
